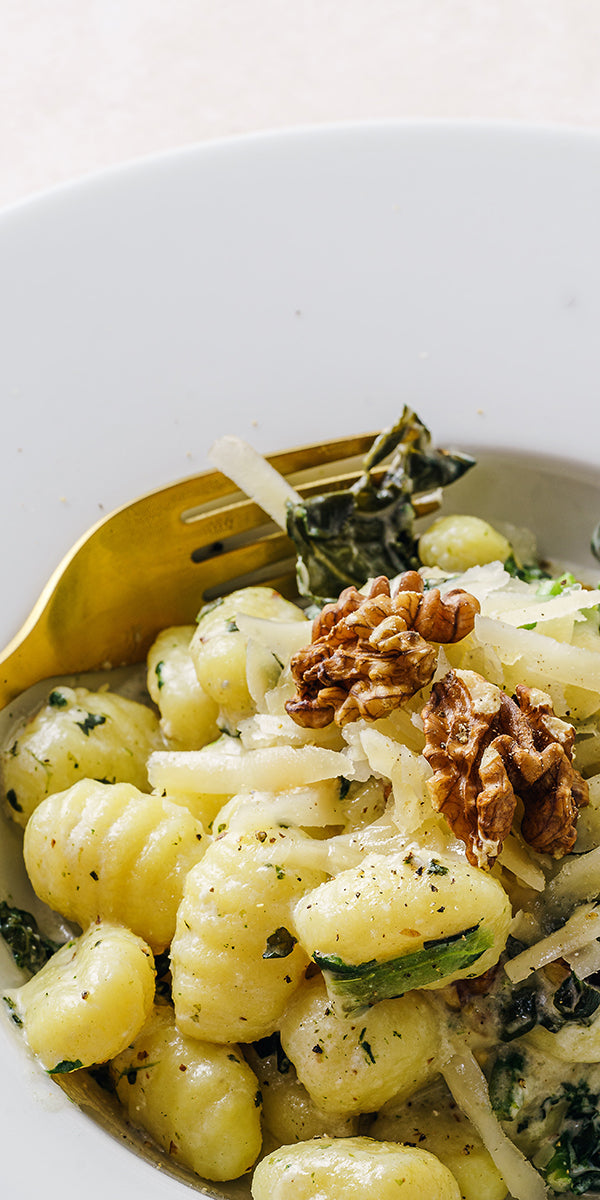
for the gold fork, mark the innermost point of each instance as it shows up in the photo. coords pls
(156, 561)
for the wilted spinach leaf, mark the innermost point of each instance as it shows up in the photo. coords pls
(366, 530)
(30, 948)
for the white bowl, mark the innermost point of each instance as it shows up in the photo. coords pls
(286, 287)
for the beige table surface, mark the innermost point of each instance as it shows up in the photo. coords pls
(86, 84)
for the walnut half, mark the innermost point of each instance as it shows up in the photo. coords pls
(488, 750)
(369, 653)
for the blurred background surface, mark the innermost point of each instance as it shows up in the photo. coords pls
(87, 84)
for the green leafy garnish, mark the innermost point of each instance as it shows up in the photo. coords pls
(158, 671)
(363, 984)
(90, 722)
(555, 587)
(349, 536)
(280, 943)
(436, 868)
(57, 699)
(66, 1066)
(574, 1167)
(506, 1085)
(528, 572)
(30, 948)
(576, 1000)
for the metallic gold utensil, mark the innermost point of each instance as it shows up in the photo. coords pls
(156, 561)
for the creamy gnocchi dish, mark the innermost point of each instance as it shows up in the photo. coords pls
(332, 885)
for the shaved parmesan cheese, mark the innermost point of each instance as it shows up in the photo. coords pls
(268, 770)
(578, 879)
(281, 638)
(586, 961)
(583, 927)
(547, 609)
(515, 858)
(407, 773)
(467, 1083)
(254, 476)
(542, 658)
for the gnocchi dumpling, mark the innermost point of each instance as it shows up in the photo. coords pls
(351, 1169)
(89, 1000)
(289, 1114)
(456, 543)
(188, 715)
(219, 649)
(401, 921)
(108, 851)
(354, 1065)
(199, 1101)
(434, 1122)
(233, 938)
(77, 734)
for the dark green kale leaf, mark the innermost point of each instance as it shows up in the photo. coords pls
(574, 1167)
(30, 948)
(506, 1084)
(349, 536)
(576, 1000)
(529, 572)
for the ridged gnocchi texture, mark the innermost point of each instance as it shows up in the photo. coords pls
(89, 1000)
(289, 1114)
(199, 1101)
(352, 1169)
(109, 851)
(78, 734)
(353, 1065)
(456, 543)
(234, 963)
(188, 715)
(434, 1122)
(219, 649)
(392, 904)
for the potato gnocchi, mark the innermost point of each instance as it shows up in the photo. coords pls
(281, 957)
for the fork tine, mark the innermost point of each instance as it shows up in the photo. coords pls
(151, 563)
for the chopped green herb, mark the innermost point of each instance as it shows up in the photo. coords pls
(57, 699)
(158, 671)
(365, 1045)
(231, 626)
(280, 943)
(90, 722)
(436, 868)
